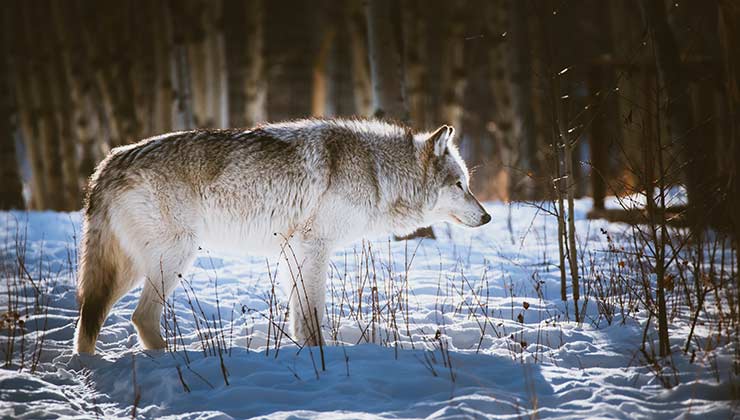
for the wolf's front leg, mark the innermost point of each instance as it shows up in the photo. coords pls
(305, 276)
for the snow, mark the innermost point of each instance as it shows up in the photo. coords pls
(427, 359)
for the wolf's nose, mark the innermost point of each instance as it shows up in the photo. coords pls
(485, 219)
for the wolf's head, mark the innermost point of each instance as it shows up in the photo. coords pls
(447, 177)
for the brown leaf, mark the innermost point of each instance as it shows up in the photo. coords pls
(668, 282)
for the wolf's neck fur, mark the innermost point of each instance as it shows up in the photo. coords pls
(406, 195)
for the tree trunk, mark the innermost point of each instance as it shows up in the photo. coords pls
(414, 47)
(215, 70)
(143, 69)
(185, 116)
(256, 86)
(27, 109)
(236, 61)
(572, 250)
(520, 57)
(63, 106)
(678, 111)
(630, 102)
(362, 86)
(43, 102)
(95, 41)
(81, 88)
(598, 146)
(61, 110)
(244, 44)
(729, 31)
(177, 17)
(385, 59)
(500, 85)
(340, 99)
(613, 135)
(320, 92)
(196, 47)
(163, 93)
(11, 189)
(541, 107)
(115, 31)
(453, 78)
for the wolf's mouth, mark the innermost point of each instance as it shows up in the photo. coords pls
(459, 220)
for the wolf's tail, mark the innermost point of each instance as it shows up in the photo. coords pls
(100, 281)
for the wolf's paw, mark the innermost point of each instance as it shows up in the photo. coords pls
(153, 342)
(149, 335)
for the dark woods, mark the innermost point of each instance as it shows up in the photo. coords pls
(566, 98)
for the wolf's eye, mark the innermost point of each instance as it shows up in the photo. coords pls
(459, 185)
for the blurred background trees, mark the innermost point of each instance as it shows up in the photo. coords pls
(551, 100)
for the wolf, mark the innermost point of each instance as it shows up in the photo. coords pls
(297, 189)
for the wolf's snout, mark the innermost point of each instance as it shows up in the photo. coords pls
(485, 219)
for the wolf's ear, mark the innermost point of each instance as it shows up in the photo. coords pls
(438, 140)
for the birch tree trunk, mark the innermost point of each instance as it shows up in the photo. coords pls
(256, 86)
(385, 59)
(177, 18)
(320, 85)
(362, 86)
(244, 41)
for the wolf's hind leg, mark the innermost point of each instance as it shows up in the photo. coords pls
(95, 306)
(106, 273)
(307, 288)
(163, 276)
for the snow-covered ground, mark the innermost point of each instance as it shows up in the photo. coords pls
(470, 325)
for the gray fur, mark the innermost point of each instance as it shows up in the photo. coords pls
(310, 185)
